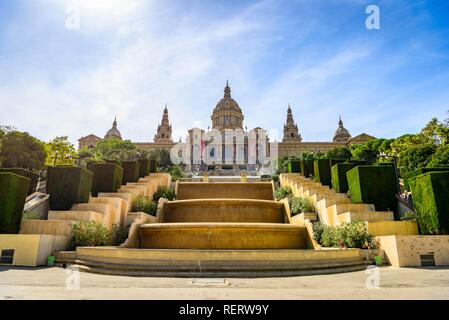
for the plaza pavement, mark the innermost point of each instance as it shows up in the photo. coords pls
(393, 283)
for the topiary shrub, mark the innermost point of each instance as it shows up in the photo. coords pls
(322, 169)
(34, 177)
(144, 204)
(294, 166)
(408, 177)
(347, 235)
(164, 192)
(176, 173)
(302, 205)
(339, 179)
(373, 185)
(307, 168)
(13, 192)
(90, 234)
(431, 199)
(282, 193)
(144, 167)
(153, 166)
(68, 185)
(130, 171)
(107, 178)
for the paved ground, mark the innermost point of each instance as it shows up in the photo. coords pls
(393, 283)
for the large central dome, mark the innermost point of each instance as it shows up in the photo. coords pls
(227, 114)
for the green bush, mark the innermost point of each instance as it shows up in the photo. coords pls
(322, 169)
(294, 166)
(107, 178)
(13, 192)
(282, 193)
(412, 174)
(130, 171)
(430, 197)
(32, 215)
(347, 235)
(339, 179)
(67, 185)
(144, 204)
(176, 173)
(90, 234)
(302, 205)
(144, 167)
(119, 235)
(34, 177)
(403, 171)
(153, 166)
(373, 185)
(307, 167)
(164, 192)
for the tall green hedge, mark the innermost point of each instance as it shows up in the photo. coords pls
(294, 166)
(373, 185)
(408, 177)
(153, 166)
(431, 200)
(335, 161)
(307, 168)
(144, 167)
(107, 178)
(68, 185)
(322, 169)
(13, 193)
(339, 179)
(130, 171)
(34, 177)
(403, 171)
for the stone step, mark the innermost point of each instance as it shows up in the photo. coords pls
(110, 213)
(134, 191)
(49, 227)
(76, 216)
(392, 228)
(123, 206)
(367, 216)
(242, 236)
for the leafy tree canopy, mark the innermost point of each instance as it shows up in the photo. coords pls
(115, 149)
(339, 153)
(60, 152)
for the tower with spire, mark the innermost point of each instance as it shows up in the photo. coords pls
(164, 130)
(291, 132)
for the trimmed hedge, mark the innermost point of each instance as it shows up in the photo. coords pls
(153, 166)
(130, 171)
(117, 162)
(13, 193)
(403, 171)
(430, 197)
(307, 167)
(336, 161)
(107, 178)
(68, 185)
(339, 179)
(34, 177)
(412, 174)
(360, 162)
(373, 185)
(322, 169)
(294, 166)
(144, 167)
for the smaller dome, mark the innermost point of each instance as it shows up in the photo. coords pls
(113, 133)
(341, 134)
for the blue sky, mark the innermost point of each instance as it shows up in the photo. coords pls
(130, 57)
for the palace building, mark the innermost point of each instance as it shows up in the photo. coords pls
(227, 116)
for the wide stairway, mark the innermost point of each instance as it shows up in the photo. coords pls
(216, 230)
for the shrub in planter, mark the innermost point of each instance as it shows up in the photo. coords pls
(34, 177)
(13, 192)
(348, 235)
(339, 179)
(107, 178)
(408, 177)
(130, 171)
(294, 166)
(282, 193)
(153, 166)
(430, 197)
(68, 185)
(144, 167)
(307, 167)
(164, 192)
(302, 205)
(144, 204)
(373, 185)
(90, 234)
(322, 169)
(176, 173)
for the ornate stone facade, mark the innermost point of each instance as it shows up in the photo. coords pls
(291, 132)
(164, 130)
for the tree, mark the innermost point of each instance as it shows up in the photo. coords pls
(309, 156)
(436, 132)
(416, 157)
(363, 152)
(115, 149)
(162, 156)
(21, 150)
(440, 158)
(339, 153)
(60, 152)
(405, 141)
